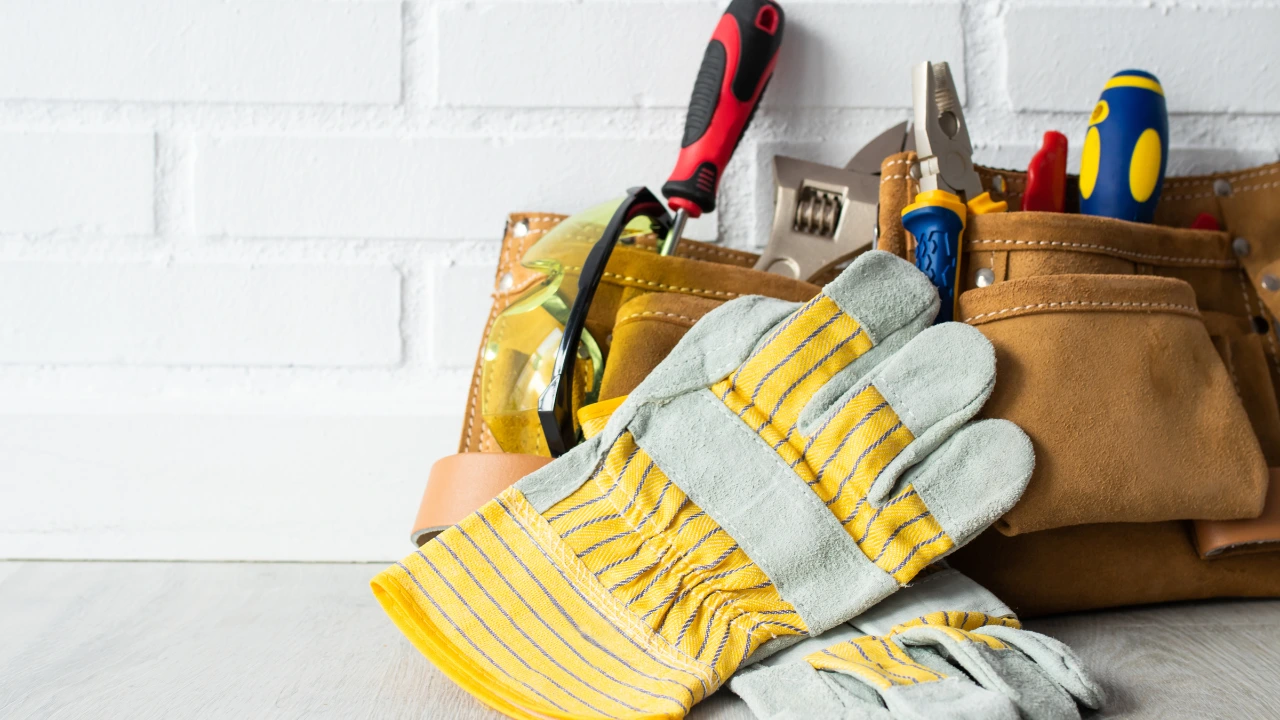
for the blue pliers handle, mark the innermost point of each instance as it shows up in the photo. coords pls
(937, 219)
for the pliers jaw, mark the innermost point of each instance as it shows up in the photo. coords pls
(942, 134)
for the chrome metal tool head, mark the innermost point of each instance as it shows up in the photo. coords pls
(868, 159)
(941, 133)
(822, 215)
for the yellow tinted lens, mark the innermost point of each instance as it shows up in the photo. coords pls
(565, 247)
(519, 356)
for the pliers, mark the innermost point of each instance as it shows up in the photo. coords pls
(949, 186)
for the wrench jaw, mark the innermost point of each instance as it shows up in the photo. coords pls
(822, 216)
(890, 142)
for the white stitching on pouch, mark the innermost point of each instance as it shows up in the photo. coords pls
(1082, 303)
(1129, 253)
(648, 313)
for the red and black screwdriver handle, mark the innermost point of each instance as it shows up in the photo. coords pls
(735, 69)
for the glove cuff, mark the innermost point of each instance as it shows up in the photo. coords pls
(503, 606)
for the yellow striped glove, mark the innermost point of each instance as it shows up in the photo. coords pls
(906, 658)
(785, 468)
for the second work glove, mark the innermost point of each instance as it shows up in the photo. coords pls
(783, 470)
(943, 649)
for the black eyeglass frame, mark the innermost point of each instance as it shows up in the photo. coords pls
(555, 404)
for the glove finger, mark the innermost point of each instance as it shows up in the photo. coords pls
(879, 300)
(934, 660)
(1057, 660)
(860, 294)
(999, 668)
(935, 384)
(797, 689)
(959, 490)
(975, 477)
(908, 407)
(908, 688)
(951, 698)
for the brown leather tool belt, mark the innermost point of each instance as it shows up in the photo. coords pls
(1141, 359)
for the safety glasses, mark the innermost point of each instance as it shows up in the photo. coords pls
(540, 363)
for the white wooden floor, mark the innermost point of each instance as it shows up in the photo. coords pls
(235, 640)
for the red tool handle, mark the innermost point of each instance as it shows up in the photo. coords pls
(1205, 221)
(735, 69)
(1047, 176)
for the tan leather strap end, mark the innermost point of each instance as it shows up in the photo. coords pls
(460, 484)
(1220, 538)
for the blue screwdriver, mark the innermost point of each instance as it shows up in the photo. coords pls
(1125, 149)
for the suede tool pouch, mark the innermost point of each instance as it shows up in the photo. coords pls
(1129, 406)
(1136, 356)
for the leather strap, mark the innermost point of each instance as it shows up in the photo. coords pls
(1219, 538)
(460, 484)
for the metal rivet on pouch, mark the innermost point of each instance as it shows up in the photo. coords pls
(521, 229)
(505, 282)
(1240, 246)
(1221, 187)
(984, 277)
(998, 184)
(1270, 282)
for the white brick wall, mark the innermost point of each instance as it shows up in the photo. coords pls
(281, 51)
(199, 315)
(245, 245)
(87, 182)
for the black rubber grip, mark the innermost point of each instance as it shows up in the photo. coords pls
(701, 188)
(706, 93)
(758, 47)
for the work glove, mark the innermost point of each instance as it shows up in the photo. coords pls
(784, 469)
(909, 658)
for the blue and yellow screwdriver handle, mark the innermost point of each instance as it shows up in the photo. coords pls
(937, 220)
(1125, 149)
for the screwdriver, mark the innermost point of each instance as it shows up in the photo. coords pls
(1126, 148)
(735, 69)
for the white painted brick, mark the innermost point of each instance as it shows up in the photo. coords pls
(860, 55)
(1219, 59)
(571, 55)
(262, 315)
(271, 51)
(460, 308)
(85, 182)
(373, 187)
(614, 55)
(215, 486)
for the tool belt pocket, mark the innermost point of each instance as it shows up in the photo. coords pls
(1134, 415)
